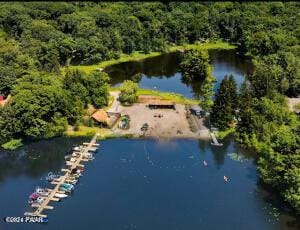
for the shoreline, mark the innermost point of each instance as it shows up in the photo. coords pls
(138, 56)
(135, 137)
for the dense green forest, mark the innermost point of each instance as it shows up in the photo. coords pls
(38, 38)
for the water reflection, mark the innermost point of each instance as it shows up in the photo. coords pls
(147, 183)
(35, 158)
(162, 72)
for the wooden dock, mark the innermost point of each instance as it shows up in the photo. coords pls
(215, 140)
(82, 156)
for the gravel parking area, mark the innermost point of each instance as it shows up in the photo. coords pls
(171, 124)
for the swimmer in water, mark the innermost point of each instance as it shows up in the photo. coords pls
(226, 178)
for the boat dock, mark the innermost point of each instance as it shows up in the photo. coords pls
(215, 140)
(82, 155)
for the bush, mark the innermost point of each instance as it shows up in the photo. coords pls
(12, 144)
(128, 93)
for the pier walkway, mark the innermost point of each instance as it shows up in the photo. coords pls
(81, 155)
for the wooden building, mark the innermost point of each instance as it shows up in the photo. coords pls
(161, 104)
(155, 102)
(105, 119)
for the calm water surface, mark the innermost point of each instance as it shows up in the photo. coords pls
(145, 184)
(162, 72)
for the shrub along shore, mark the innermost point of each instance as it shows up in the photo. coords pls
(138, 56)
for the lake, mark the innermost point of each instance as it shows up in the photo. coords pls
(145, 184)
(150, 184)
(162, 72)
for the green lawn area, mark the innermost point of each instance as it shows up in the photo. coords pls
(88, 131)
(178, 98)
(137, 56)
(219, 45)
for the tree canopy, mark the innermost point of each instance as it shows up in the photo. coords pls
(225, 104)
(38, 38)
(128, 92)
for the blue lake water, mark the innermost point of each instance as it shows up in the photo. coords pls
(146, 184)
(149, 184)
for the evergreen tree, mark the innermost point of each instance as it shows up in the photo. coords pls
(225, 105)
(245, 113)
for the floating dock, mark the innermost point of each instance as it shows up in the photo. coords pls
(215, 140)
(82, 155)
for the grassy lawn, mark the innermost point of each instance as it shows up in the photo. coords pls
(137, 56)
(88, 131)
(219, 45)
(177, 98)
(85, 131)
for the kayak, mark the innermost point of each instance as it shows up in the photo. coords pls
(226, 178)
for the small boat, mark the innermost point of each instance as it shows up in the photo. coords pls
(205, 163)
(60, 195)
(76, 172)
(68, 156)
(80, 167)
(73, 159)
(226, 178)
(50, 177)
(39, 200)
(79, 171)
(92, 149)
(66, 187)
(35, 200)
(75, 154)
(72, 181)
(89, 157)
(77, 148)
(41, 191)
(33, 196)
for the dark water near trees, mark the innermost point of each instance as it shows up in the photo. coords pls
(147, 184)
(144, 184)
(162, 72)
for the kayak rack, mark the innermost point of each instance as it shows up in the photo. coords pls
(85, 151)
